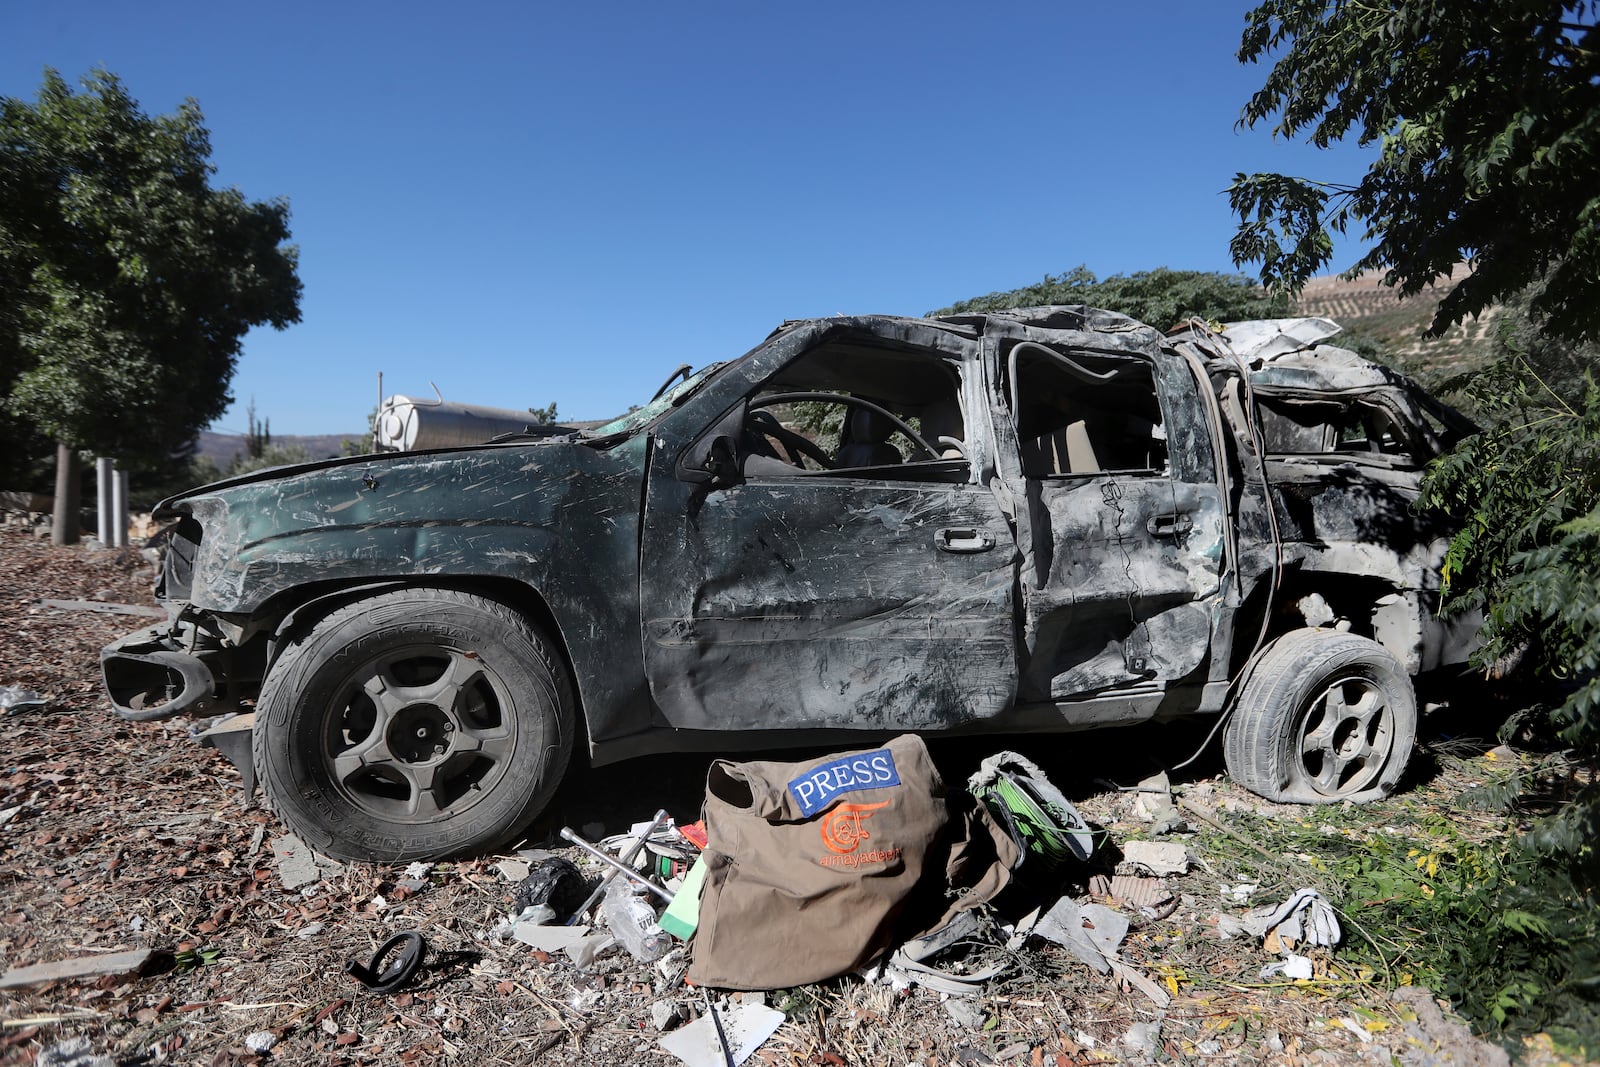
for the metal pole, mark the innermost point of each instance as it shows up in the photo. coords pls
(102, 499)
(626, 872)
(605, 879)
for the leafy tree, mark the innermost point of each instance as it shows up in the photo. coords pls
(129, 281)
(258, 435)
(1162, 297)
(1487, 122)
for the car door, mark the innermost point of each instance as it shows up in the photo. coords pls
(876, 594)
(1124, 549)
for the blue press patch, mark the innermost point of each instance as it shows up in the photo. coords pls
(815, 789)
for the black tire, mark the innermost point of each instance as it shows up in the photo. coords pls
(416, 724)
(1325, 716)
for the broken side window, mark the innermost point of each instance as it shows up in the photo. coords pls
(857, 409)
(1356, 427)
(1084, 413)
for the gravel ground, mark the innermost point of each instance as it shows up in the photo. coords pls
(129, 836)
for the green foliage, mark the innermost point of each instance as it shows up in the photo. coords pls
(544, 416)
(270, 456)
(1487, 118)
(130, 282)
(1512, 941)
(1162, 298)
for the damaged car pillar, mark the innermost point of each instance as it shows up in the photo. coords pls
(1042, 519)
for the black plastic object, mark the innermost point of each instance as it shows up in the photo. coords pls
(554, 881)
(407, 950)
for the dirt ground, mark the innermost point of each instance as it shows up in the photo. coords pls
(117, 836)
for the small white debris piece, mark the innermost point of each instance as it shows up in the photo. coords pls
(309, 930)
(72, 1052)
(1157, 857)
(1355, 1028)
(965, 1013)
(1239, 893)
(549, 938)
(260, 1041)
(585, 952)
(1291, 966)
(136, 923)
(1143, 1038)
(418, 870)
(1084, 1038)
(10, 813)
(747, 1028)
(664, 1015)
(513, 870)
(1304, 917)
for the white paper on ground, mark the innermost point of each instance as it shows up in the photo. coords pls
(747, 1025)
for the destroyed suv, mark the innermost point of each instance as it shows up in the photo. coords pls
(1044, 519)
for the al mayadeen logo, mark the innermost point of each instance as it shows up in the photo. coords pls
(844, 829)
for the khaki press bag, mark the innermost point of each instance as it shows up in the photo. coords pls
(809, 866)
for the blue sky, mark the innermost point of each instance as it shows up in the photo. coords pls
(527, 203)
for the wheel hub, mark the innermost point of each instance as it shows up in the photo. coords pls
(420, 733)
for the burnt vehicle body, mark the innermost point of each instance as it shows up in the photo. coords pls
(1045, 519)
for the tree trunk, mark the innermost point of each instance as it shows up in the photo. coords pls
(64, 523)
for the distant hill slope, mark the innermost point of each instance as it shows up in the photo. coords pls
(221, 448)
(1368, 310)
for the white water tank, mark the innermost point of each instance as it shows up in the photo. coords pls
(405, 423)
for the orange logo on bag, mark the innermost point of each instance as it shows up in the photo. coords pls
(842, 830)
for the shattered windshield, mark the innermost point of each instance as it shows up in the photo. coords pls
(642, 416)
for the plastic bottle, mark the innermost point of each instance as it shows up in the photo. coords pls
(633, 923)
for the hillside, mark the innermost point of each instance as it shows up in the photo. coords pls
(1368, 310)
(222, 448)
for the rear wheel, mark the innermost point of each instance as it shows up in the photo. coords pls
(414, 725)
(1325, 716)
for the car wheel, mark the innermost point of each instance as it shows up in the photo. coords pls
(413, 725)
(1324, 716)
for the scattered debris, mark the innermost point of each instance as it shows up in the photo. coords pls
(746, 1027)
(392, 966)
(1291, 966)
(1304, 917)
(1437, 1040)
(261, 1041)
(14, 699)
(1143, 1038)
(73, 1052)
(298, 865)
(1153, 804)
(549, 938)
(664, 1015)
(633, 923)
(965, 1013)
(554, 883)
(115, 964)
(1155, 857)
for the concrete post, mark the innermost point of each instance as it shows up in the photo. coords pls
(64, 521)
(102, 502)
(119, 509)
